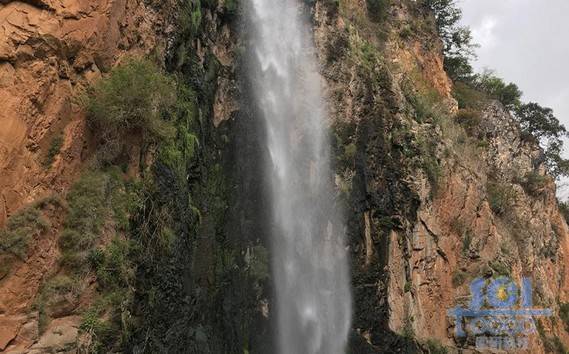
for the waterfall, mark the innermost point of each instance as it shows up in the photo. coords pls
(309, 256)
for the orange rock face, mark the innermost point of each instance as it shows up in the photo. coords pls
(50, 50)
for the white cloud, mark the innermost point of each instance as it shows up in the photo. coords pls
(484, 33)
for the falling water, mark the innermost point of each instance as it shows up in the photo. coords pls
(310, 265)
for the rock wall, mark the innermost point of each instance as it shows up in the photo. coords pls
(49, 52)
(421, 189)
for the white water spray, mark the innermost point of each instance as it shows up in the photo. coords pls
(310, 262)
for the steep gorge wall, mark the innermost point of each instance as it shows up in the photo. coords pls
(422, 190)
(50, 51)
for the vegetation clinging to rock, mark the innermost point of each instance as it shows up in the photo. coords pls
(134, 99)
(535, 120)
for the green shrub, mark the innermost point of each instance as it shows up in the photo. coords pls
(493, 86)
(20, 229)
(470, 119)
(406, 32)
(112, 265)
(554, 345)
(95, 200)
(378, 8)
(190, 19)
(58, 288)
(500, 267)
(88, 211)
(134, 99)
(458, 278)
(435, 347)
(422, 106)
(564, 314)
(534, 183)
(58, 296)
(467, 97)
(53, 151)
(564, 210)
(466, 242)
(101, 331)
(501, 197)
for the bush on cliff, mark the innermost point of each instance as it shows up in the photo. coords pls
(20, 229)
(377, 8)
(501, 197)
(135, 99)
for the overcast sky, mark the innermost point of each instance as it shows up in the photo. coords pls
(525, 42)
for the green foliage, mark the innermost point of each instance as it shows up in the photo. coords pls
(134, 99)
(407, 287)
(564, 314)
(458, 278)
(466, 242)
(60, 288)
(378, 8)
(470, 119)
(53, 151)
(458, 68)
(539, 121)
(101, 203)
(494, 87)
(101, 331)
(190, 19)
(95, 200)
(112, 265)
(556, 164)
(457, 40)
(500, 267)
(534, 183)
(468, 97)
(429, 163)
(564, 210)
(542, 124)
(232, 6)
(88, 209)
(471, 90)
(20, 229)
(501, 197)
(435, 347)
(58, 296)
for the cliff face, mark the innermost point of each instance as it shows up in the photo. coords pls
(431, 203)
(49, 52)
